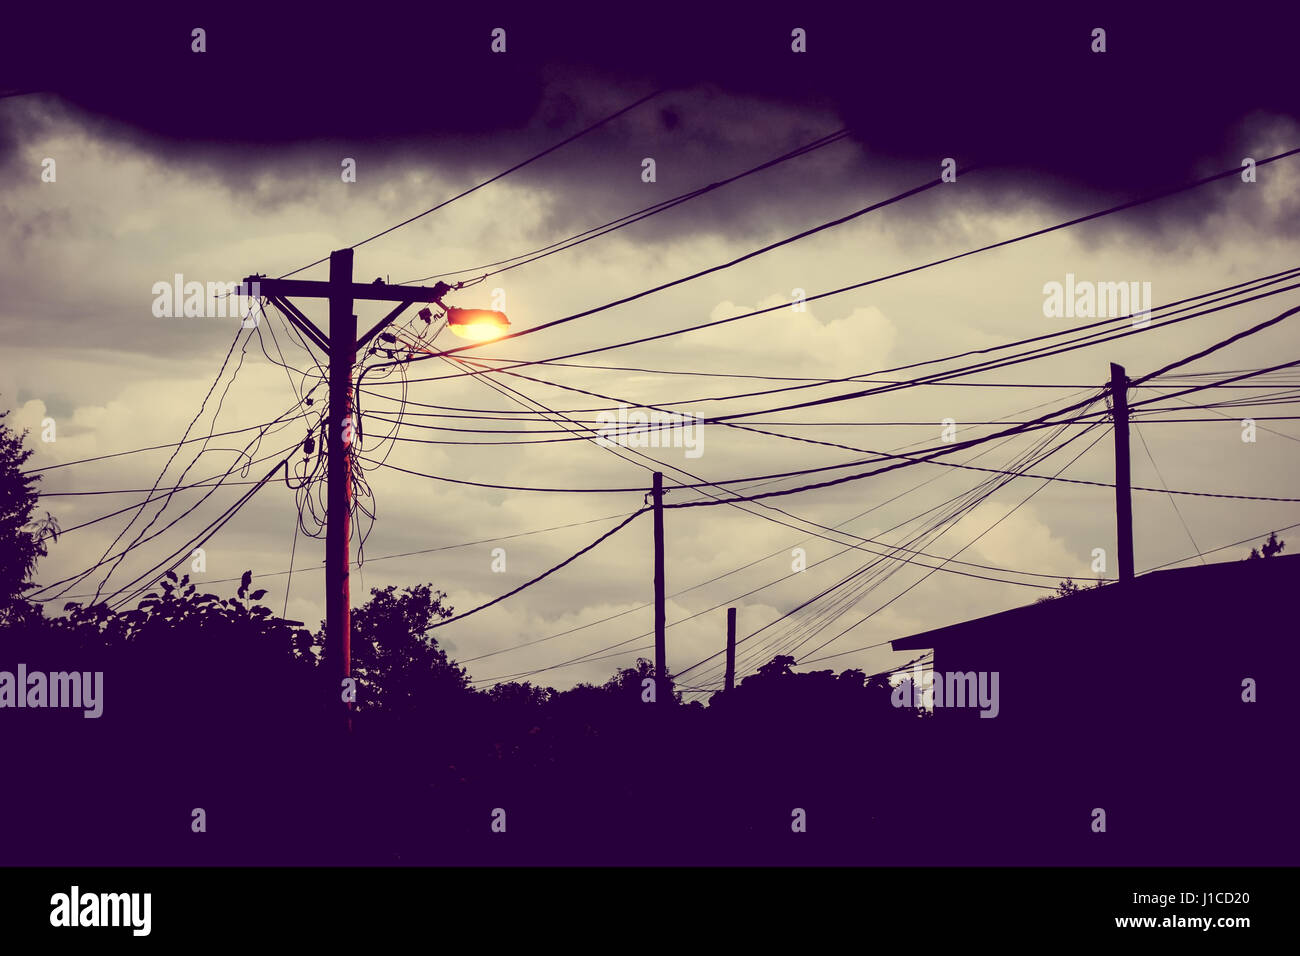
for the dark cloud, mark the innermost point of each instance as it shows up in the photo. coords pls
(279, 98)
(1017, 89)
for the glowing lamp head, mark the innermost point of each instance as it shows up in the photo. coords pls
(477, 325)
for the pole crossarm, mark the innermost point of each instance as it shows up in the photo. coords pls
(279, 290)
(374, 292)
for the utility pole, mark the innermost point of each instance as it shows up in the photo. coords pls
(338, 492)
(340, 348)
(731, 649)
(661, 649)
(1123, 495)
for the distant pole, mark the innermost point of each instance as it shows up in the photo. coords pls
(661, 648)
(731, 648)
(338, 511)
(1123, 495)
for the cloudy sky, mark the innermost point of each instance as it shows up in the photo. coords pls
(225, 163)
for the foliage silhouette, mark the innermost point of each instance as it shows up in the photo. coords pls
(1271, 548)
(215, 702)
(23, 539)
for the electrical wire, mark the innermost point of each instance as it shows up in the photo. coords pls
(517, 166)
(851, 216)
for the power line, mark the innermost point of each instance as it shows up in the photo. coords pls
(545, 574)
(202, 405)
(1015, 429)
(894, 199)
(588, 657)
(933, 452)
(1199, 388)
(701, 484)
(206, 483)
(142, 536)
(288, 584)
(167, 498)
(410, 554)
(712, 269)
(750, 564)
(76, 578)
(986, 365)
(763, 378)
(136, 451)
(1224, 343)
(569, 435)
(646, 212)
(1002, 518)
(1086, 341)
(197, 541)
(1222, 547)
(902, 461)
(500, 175)
(971, 500)
(1172, 500)
(1223, 417)
(1178, 561)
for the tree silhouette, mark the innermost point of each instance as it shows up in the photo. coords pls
(397, 663)
(23, 538)
(1271, 547)
(1067, 588)
(629, 683)
(779, 666)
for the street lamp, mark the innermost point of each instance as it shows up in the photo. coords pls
(477, 325)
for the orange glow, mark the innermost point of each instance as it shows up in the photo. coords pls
(477, 325)
(478, 331)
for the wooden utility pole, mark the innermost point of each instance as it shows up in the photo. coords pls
(338, 492)
(731, 649)
(340, 347)
(662, 691)
(1123, 495)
